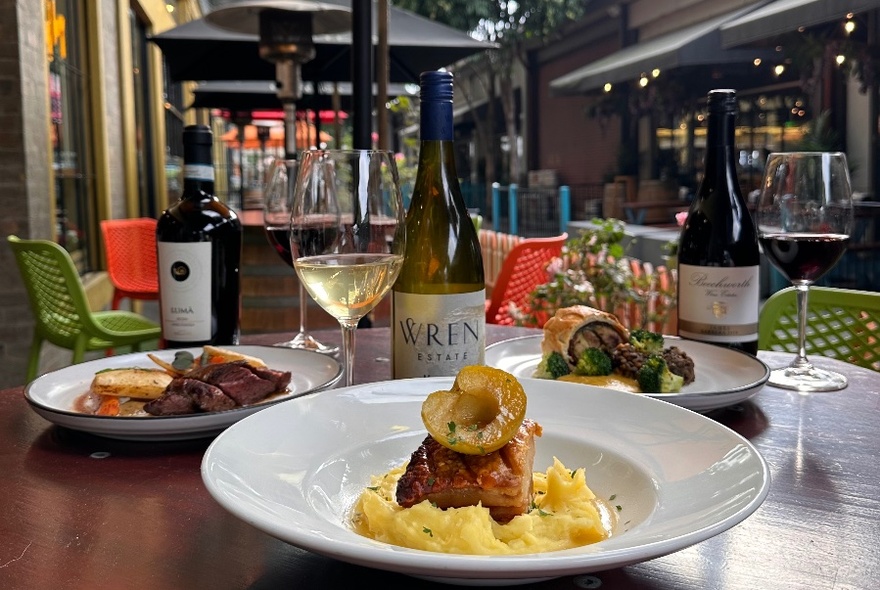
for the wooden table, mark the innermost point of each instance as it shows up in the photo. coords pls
(82, 512)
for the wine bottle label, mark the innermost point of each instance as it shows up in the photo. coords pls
(201, 172)
(185, 290)
(718, 304)
(437, 335)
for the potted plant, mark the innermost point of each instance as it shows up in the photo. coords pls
(594, 270)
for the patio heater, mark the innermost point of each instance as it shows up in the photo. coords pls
(286, 29)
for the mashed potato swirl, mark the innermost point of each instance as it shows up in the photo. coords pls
(565, 514)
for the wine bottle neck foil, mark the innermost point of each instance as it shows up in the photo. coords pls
(436, 106)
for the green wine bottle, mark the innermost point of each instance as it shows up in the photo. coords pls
(438, 317)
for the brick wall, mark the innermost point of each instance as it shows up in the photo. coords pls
(24, 162)
(581, 149)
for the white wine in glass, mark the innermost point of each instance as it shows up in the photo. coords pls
(347, 234)
(276, 222)
(805, 217)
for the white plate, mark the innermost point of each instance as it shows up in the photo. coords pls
(295, 471)
(722, 376)
(52, 395)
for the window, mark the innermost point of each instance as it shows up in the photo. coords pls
(72, 166)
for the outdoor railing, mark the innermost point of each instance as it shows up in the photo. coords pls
(541, 211)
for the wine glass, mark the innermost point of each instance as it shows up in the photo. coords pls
(347, 234)
(276, 222)
(804, 219)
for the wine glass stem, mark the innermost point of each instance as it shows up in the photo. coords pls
(803, 290)
(303, 306)
(348, 331)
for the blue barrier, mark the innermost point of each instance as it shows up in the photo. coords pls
(564, 207)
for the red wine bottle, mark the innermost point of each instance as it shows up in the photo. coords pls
(718, 259)
(199, 250)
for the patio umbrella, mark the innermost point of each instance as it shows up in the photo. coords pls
(197, 50)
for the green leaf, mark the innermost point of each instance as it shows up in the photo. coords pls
(183, 360)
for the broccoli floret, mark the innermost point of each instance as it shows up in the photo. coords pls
(553, 366)
(655, 377)
(593, 361)
(646, 342)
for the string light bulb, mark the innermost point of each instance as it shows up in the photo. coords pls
(779, 69)
(643, 81)
(849, 26)
(757, 61)
(607, 87)
(840, 59)
(655, 73)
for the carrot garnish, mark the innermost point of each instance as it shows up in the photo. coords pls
(109, 406)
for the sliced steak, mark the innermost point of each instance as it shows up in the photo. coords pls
(207, 397)
(281, 379)
(172, 403)
(235, 379)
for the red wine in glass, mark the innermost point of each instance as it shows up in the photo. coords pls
(279, 238)
(803, 257)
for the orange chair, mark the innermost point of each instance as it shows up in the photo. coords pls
(131, 258)
(524, 268)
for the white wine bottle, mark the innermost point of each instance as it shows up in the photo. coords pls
(438, 318)
(199, 253)
(718, 258)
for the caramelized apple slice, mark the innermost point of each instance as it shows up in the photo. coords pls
(480, 414)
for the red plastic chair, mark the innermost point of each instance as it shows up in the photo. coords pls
(131, 258)
(524, 268)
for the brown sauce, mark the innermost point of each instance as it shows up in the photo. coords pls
(610, 381)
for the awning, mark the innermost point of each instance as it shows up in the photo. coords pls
(695, 45)
(783, 16)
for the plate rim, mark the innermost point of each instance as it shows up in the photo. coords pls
(758, 383)
(103, 425)
(509, 568)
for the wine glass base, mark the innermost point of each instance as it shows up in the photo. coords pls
(305, 341)
(807, 379)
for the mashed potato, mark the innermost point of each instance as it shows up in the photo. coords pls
(565, 514)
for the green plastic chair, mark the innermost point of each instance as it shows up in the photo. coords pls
(61, 310)
(841, 323)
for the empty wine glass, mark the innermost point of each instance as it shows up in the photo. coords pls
(347, 234)
(804, 220)
(276, 222)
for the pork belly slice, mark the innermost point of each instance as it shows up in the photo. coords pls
(501, 480)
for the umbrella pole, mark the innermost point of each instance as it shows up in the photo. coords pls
(289, 90)
(241, 120)
(361, 76)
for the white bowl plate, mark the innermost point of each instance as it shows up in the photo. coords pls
(723, 376)
(53, 395)
(296, 469)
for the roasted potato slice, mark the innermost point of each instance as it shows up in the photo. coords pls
(217, 354)
(136, 383)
